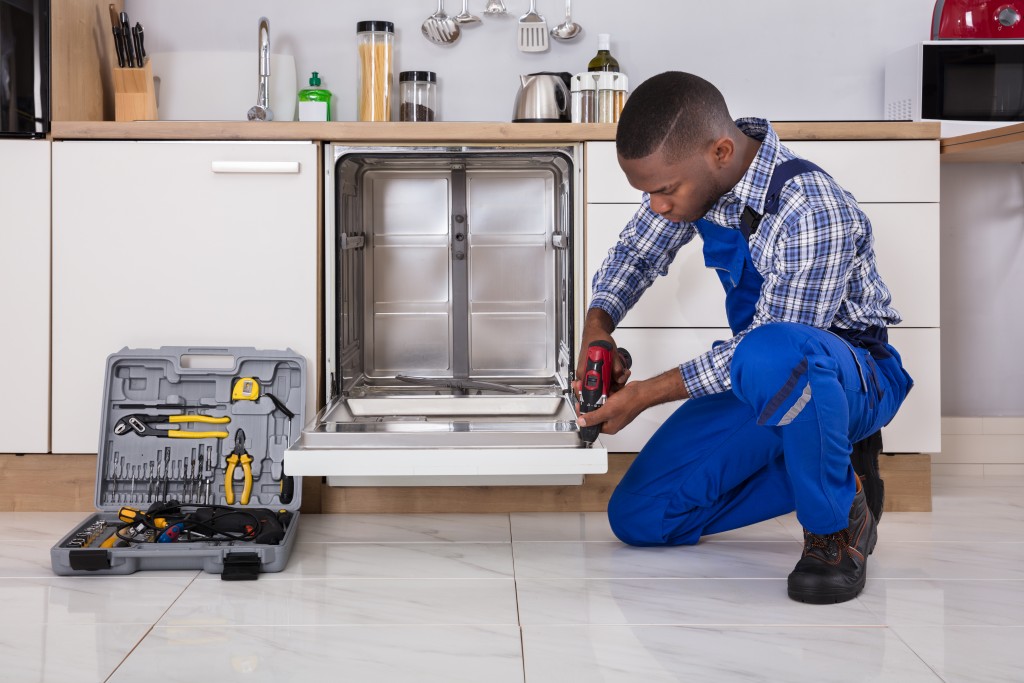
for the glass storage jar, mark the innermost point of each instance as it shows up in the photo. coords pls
(417, 96)
(375, 42)
(584, 98)
(606, 97)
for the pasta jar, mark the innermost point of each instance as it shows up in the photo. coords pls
(375, 41)
(417, 96)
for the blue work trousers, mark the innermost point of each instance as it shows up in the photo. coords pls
(779, 440)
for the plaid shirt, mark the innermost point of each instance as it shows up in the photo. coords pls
(816, 255)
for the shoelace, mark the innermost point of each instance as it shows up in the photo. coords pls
(830, 543)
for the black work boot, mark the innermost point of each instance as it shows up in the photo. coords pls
(865, 464)
(834, 566)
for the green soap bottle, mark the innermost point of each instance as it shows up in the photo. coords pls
(314, 101)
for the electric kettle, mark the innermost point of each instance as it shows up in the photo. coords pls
(542, 97)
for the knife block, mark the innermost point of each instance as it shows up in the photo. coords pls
(134, 94)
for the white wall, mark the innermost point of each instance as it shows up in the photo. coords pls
(784, 60)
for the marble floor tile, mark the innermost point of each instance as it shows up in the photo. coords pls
(305, 602)
(593, 526)
(655, 654)
(25, 559)
(65, 653)
(969, 654)
(900, 602)
(747, 560)
(38, 526)
(300, 654)
(676, 602)
(90, 600)
(454, 528)
(562, 526)
(395, 561)
(958, 560)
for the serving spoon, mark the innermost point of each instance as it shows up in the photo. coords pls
(568, 29)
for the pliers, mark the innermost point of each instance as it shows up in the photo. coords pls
(238, 456)
(142, 425)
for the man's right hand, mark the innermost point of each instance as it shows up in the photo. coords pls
(598, 326)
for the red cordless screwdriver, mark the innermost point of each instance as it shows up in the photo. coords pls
(597, 381)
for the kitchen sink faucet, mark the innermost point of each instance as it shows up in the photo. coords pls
(261, 110)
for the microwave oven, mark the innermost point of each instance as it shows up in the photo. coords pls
(24, 68)
(957, 80)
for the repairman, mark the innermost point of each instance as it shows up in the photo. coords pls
(774, 412)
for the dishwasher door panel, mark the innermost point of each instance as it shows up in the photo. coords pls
(453, 332)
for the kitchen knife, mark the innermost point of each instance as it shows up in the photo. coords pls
(118, 40)
(141, 51)
(119, 46)
(126, 31)
(137, 46)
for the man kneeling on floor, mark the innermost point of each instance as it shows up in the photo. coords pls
(773, 412)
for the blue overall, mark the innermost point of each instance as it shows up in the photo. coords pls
(781, 438)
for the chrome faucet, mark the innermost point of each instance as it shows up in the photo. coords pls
(261, 110)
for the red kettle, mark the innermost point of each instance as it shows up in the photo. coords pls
(980, 19)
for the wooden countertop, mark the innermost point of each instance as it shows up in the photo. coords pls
(999, 145)
(448, 131)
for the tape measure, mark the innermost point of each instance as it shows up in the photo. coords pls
(248, 389)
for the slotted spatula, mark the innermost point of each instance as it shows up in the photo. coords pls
(533, 31)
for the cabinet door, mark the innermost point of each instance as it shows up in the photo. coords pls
(907, 252)
(177, 243)
(690, 295)
(873, 170)
(917, 427)
(25, 302)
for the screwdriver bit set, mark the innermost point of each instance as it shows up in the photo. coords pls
(195, 427)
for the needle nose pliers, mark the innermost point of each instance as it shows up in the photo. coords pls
(142, 425)
(238, 456)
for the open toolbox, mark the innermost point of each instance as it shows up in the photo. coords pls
(190, 471)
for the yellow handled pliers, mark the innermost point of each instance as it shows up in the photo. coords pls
(238, 456)
(143, 426)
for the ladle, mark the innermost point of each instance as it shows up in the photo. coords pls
(568, 29)
(440, 28)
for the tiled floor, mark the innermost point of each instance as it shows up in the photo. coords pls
(534, 597)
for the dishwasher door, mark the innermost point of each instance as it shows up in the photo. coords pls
(449, 316)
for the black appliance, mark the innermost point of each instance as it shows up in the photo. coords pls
(24, 68)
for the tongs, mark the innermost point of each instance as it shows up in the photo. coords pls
(461, 384)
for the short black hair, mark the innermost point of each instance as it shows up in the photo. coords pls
(673, 111)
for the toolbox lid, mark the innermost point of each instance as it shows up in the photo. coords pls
(176, 420)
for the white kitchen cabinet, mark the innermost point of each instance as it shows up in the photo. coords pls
(896, 183)
(693, 295)
(873, 170)
(25, 295)
(690, 296)
(177, 243)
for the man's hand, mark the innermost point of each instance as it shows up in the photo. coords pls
(624, 405)
(598, 326)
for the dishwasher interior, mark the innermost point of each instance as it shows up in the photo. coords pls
(449, 316)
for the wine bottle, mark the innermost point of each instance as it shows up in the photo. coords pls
(603, 61)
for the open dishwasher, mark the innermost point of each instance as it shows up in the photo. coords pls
(450, 302)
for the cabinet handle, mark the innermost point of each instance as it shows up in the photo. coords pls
(255, 167)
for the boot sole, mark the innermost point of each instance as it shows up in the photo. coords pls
(827, 597)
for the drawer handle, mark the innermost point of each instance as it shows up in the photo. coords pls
(255, 167)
